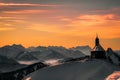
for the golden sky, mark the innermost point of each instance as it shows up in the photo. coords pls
(66, 23)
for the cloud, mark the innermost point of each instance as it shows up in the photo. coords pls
(25, 4)
(26, 7)
(27, 11)
(115, 10)
(12, 21)
(89, 24)
(6, 28)
(43, 27)
(10, 18)
(64, 19)
(93, 20)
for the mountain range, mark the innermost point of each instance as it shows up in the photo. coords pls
(41, 53)
(20, 53)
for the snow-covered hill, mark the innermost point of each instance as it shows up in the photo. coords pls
(89, 70)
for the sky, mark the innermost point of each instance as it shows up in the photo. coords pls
(67, 23)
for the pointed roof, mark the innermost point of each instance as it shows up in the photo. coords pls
(98, 48)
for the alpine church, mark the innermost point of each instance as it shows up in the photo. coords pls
(98, 51)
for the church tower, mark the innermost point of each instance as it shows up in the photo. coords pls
(98, 51)
(97, 41)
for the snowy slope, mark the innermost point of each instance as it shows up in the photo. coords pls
(54, 55)
(90, 70)
(76, 54)
(84, 49)
(7, 64)
(26, 57)
(112, 56)
(66, 52)
(40, 55)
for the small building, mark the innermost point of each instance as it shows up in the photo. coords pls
(98, 51)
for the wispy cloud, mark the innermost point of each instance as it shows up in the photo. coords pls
(89, 24)
(6, 28)
(43, 27)
(93, 20)
(26, 8)
(27, 11)
(10, 18)
(25, 4)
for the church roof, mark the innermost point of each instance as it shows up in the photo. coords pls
(98, 48)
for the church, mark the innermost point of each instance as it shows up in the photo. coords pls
(98, 51)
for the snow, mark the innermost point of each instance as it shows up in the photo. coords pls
(40, 53)
(84, 49)
(112, 56)
(98, 48)
(26, 57)
(66, 52)
(89, 70)
(48, 53)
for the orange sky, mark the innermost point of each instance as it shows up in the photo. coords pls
(59, 24)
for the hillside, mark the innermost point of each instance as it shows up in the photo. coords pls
(89, 70)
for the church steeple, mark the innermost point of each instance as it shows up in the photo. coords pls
(98, 51)
(96, 40)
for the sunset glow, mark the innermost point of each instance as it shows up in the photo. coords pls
(60, 23)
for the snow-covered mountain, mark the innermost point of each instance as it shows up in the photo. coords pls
(41, 56)
(11, 51)
(113, 56)
(18, 52)
(89, 70)
(54, 55)
(51, 52)
(26, 56)
(67, 52)
(84, 49)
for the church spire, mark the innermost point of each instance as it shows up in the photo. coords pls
(96, 40)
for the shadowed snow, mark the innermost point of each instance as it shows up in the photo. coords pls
(89, 70)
